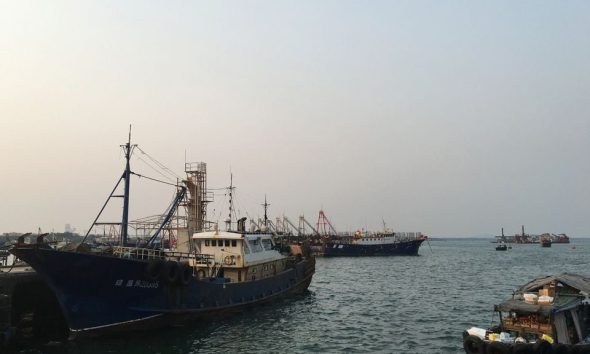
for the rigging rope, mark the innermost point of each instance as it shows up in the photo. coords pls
(153, 168)
(153, 179)
(159, 164)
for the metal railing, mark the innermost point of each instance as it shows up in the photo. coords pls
(149, 254)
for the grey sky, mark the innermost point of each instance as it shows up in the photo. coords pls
(450, 118)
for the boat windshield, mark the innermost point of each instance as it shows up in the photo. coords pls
(267, 244)
(255, 245)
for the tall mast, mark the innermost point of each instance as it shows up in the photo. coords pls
(265, 205)
(126, 176)
(231, 202)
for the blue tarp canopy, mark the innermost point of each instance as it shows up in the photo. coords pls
(559, 304)
(575, 281)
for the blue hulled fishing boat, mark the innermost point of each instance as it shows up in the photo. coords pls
(379, 244)
(129, 287)
(331, 243)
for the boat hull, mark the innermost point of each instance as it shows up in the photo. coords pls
(404, 248)
(102, 294)
(473, 344)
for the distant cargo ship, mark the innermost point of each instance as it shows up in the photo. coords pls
(529, 238)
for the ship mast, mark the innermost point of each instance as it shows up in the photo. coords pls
(265, 205)
(231, 202)
(126, 175)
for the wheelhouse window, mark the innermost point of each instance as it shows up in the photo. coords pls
(234, 243)
(226, 243)
(267, 244)
(207, 243)
(213, 243)
(255, 245)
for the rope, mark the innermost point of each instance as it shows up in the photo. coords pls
(428, 242)
(153, 168)
(159, 164)
(153, 179)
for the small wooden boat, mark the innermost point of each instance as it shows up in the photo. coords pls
(549, 314)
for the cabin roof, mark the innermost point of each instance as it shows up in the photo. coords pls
(225, 235)
(228, 235)
(579, 282)
(561, 303)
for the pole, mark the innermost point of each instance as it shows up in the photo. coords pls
(126, 175)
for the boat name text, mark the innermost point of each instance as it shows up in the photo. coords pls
(137, 284)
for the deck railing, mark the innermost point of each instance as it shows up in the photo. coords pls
(149, 254)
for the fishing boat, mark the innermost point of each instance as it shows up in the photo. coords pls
(549, 314)
(545, 241)
(502, 247)
(375, 244)
(365, 243)
(126, 287)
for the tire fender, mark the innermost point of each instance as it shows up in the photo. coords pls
(186, 273)
(498, 348)
(170, 272)
(201, 273)
(560, 348)
(523, 348)
(580, 349)
(543, 347)
(153, 269)
(474, 345)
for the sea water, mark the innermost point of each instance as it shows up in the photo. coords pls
(368, 305)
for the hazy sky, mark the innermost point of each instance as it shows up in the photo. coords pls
(446, 117)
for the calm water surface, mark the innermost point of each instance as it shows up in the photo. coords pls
(381, 304)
